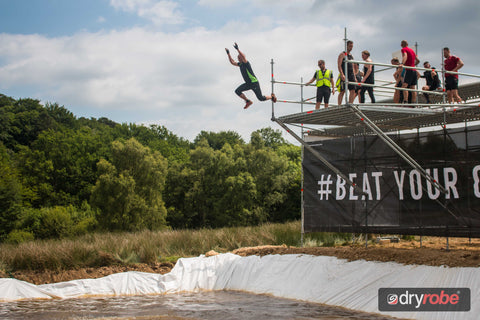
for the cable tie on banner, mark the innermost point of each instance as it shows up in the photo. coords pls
(311, 111)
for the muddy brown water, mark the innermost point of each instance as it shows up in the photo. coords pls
(216, 305)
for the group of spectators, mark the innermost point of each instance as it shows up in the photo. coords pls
(406, 77)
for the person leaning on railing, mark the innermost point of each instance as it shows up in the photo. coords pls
(368, 77)
(432, 80)
(397, 75)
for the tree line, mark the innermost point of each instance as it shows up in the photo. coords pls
(62, 176)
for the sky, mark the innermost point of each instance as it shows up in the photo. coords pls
(164, 62)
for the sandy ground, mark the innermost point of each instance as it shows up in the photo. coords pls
(461, 253)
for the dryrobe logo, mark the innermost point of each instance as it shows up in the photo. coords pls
(392, 299)
(424, 299)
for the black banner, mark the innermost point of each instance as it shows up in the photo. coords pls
(394, 197)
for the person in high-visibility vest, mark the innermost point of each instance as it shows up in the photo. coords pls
(251, 81)
(324, 78)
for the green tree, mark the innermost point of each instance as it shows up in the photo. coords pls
(271, 138)
(128, 192)
(243, 185)
(218, 140)
(11, 192)
(61, 165)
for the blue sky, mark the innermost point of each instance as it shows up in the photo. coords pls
(163, 62)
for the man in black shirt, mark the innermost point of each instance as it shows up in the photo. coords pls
(352, 70)
(432, 80)
(251, 82)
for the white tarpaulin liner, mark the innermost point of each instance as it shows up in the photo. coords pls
(321, 279)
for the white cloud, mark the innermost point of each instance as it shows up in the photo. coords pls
(158, 12)
(218, 3)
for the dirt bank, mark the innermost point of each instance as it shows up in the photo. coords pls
(461, 253)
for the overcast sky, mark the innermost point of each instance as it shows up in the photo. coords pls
(163, 62)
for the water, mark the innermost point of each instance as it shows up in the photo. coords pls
(215, 305)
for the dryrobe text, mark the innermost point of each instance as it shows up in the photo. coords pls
(408, 183)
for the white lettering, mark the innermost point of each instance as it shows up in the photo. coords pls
(419, 299)
(376, 176)
(476, 181)
(366, 187)
(352, 177)
(415, 191)
(450, 183)
(430, 187)
(400, 181)
(341, 192)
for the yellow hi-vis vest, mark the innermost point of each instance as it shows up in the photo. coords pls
(323, 79)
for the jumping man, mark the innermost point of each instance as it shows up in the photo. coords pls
(251, 82)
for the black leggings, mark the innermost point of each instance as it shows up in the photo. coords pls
(254, 86)
(370, 93)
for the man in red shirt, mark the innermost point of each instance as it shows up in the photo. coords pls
(452, 63)
(409, 59)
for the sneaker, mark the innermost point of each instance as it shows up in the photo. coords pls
(274, 97)
(248, 104)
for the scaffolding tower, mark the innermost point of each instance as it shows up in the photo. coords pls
(380, 119)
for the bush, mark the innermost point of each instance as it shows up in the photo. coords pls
(57, 222)
(19, 236)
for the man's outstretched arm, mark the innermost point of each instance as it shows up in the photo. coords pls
(233, 62)
(235, 45)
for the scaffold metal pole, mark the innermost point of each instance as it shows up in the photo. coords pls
(302, 213)
(273, 83)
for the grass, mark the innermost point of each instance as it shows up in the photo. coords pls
(104, 249)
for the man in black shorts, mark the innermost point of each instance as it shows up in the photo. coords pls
(452, 63)
(324, 79)
(409, 59)
(352, 70)
(251, 82)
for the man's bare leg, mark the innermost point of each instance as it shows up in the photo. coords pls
(248, 103)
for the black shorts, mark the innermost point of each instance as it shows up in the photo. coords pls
(410, 77)
(351, 79)
(323, 92)
(451, 83)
